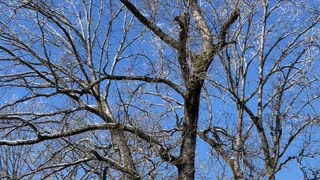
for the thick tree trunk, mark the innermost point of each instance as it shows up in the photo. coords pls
(186, 166)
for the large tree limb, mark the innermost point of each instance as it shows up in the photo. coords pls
(183, 21)
(202, 25)
(139, 78)
(226, 26)
(151, 25)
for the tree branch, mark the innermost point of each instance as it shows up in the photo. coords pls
(151, 25)
(164, 153)
(224, 29)
(140, 78)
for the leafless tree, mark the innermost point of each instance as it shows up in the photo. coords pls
(127, 89)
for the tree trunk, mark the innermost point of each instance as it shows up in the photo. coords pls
(186, 166)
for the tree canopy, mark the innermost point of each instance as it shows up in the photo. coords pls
(153, 89)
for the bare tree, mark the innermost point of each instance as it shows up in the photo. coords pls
(126, 90)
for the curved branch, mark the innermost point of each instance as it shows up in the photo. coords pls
(139, 78)
(151, 25)
(164, 153)
(61, 166)
(224, 29)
